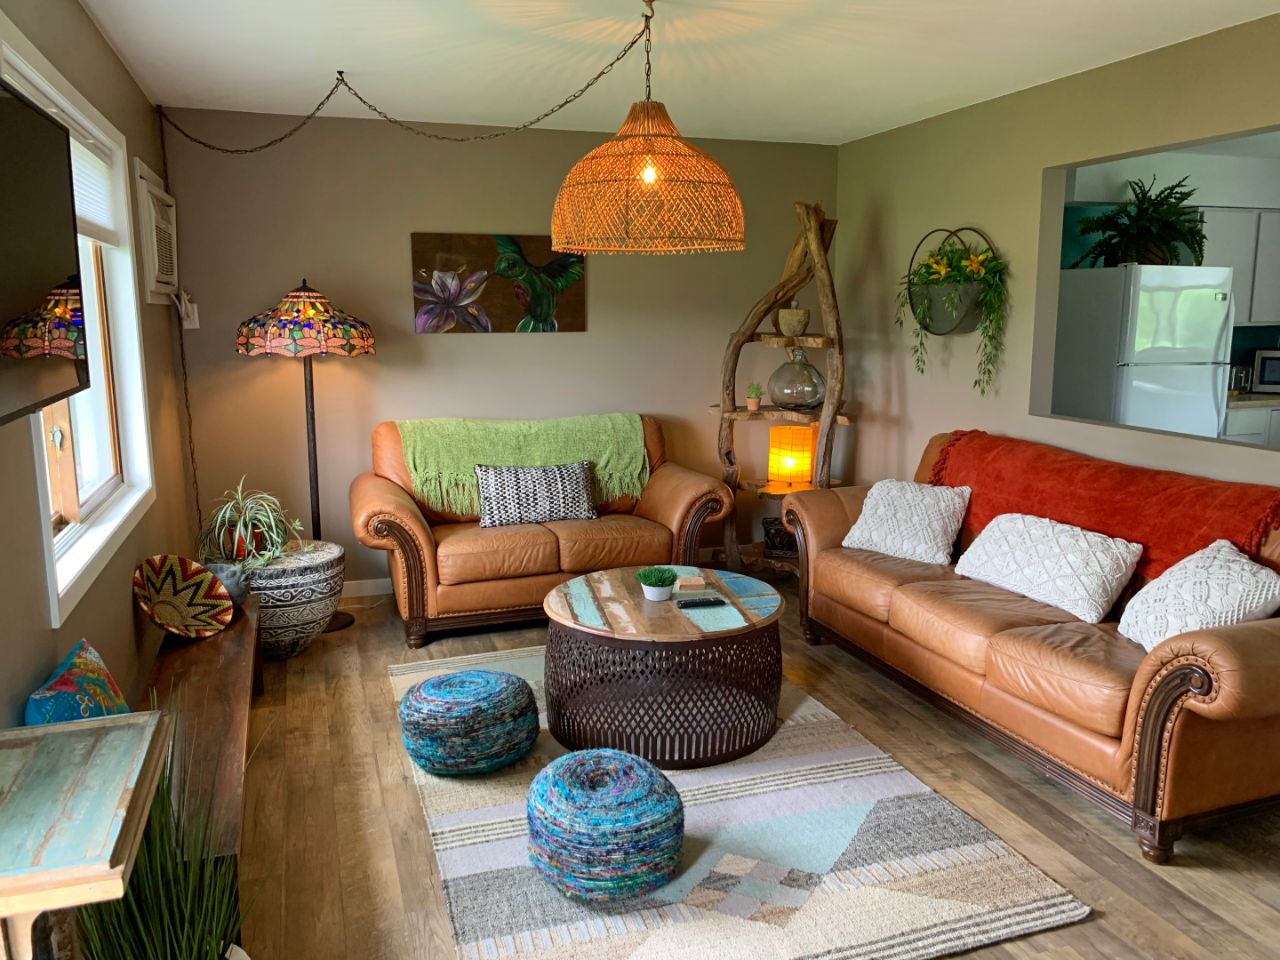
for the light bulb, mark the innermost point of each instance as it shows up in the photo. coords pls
(650, 174)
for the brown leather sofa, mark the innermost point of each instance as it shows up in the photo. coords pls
(448, 572)
(1169, 740)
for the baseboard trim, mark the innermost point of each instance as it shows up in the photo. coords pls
(365, 588)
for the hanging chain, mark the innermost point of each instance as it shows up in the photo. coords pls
(648, 51)
(341, 82)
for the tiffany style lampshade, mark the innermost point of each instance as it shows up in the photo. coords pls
(306, 325)
(55, 329)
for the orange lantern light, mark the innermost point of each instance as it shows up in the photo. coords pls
(791, 454)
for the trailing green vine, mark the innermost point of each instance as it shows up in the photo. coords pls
(955, 265)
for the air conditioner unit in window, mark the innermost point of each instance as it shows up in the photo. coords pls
(157, 234)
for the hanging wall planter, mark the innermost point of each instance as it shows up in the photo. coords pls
(956, 287)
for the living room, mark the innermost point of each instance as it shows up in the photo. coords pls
(850, 743)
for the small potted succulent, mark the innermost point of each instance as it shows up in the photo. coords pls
(657, 582)
(754, 394)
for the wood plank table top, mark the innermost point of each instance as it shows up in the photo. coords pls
(208, 686)
(74, 798)
(610, 603)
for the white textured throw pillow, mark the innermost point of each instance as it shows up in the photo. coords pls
(1075, 570)
(1214, 587)
(914, 521)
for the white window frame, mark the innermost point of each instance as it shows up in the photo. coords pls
(75, 558)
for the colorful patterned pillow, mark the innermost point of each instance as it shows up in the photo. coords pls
(80, 687)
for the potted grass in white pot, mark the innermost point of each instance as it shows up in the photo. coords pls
(657, 582)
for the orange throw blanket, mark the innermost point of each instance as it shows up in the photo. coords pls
(1171, 514)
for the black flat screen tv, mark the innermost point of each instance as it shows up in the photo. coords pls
(38, 248)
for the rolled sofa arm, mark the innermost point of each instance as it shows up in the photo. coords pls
(819, 519)
(682, 500)
(822, 517)
(384, 516)
(1230, 673)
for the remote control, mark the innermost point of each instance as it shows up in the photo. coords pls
(688, 602)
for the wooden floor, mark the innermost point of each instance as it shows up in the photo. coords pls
(336, 848)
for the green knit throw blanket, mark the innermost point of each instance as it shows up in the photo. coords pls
(441, 454)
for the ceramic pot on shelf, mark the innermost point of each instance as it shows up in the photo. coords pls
(297, 595)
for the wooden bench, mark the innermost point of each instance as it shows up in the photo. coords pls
(210, 684)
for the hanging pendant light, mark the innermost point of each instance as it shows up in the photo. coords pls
(648, 190)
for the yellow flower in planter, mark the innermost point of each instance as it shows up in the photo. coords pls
(940, 268)
(974, 264)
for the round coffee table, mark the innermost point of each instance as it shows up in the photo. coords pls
(681, 688)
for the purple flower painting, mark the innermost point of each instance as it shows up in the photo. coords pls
(450, 301)
(466, 283)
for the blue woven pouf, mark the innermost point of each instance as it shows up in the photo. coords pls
(470, 722)
(604, 824)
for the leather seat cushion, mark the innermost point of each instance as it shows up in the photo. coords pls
(614, 540)
(469, 553)
(954, 618)
(864, 580)
(1081, 672)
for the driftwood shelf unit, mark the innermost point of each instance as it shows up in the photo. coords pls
(805, 264)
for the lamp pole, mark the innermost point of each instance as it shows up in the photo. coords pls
(313, 469)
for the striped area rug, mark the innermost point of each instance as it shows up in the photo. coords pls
(818, 846)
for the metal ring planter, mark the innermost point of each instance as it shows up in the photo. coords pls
(939, 320)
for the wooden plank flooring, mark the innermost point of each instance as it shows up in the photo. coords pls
(336, 852)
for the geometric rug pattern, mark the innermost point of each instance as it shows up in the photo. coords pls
(818, 846)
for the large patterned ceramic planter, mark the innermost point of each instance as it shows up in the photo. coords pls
(297, 594)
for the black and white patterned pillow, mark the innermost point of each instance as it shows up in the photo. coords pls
(534, 494)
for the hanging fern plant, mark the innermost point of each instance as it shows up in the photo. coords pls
(957, 287)
(1152, 228)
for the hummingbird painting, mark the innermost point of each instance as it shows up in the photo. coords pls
(538, 288)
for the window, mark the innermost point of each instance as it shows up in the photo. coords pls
(81, 440)
(93, 450)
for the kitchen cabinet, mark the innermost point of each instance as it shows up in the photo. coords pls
(1248, 425)
(1273, 434)
(1266, 275)
(1231, 240)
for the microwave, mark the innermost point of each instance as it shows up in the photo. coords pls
(1266, 371)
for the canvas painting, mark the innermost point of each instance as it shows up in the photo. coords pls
(496, 283)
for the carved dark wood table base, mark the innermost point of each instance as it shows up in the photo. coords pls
(677, 696)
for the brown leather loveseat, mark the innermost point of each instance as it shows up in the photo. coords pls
(1168, 740)
(449, 572)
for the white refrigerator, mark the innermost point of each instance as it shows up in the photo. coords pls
(1145, 346)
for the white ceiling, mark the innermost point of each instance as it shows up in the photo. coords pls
(822, 71)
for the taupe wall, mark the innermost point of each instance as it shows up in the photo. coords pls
(983, 166)
(63, 32)
(337, 204)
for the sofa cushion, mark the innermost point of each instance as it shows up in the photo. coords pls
(1081, 672)
(615, 540)
(954, 618)
(864, 580)
(468, 553)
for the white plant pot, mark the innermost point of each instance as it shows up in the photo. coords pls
(656, 593)
(235, 953)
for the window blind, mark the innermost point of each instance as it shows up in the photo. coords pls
(95, 206)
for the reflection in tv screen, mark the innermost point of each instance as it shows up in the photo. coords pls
(42, 335)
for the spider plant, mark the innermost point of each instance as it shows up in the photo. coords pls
(248, 527)
(182, 901)
(1152, 228)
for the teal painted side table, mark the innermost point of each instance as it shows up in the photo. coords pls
(74, 798)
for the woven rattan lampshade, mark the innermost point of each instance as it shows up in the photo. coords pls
(648, 190)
